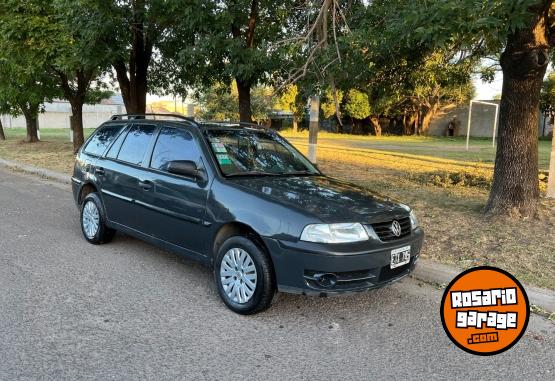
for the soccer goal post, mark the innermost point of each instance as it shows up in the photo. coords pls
(470, 121)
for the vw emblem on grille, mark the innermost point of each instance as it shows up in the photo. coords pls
(396, 228)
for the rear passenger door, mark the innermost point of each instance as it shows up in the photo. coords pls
(121, 175)
(176, 204)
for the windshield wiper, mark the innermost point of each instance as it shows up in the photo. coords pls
(252, 173)
(299, 173)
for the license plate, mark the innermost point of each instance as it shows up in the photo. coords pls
(400, 257)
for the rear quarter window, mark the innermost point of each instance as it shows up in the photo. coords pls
(102, 139)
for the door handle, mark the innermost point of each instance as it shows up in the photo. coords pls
(100, 171)
(145, 184)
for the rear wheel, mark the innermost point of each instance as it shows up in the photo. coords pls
(93, 220)
(244, 276)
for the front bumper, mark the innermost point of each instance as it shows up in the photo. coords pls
(356, 267)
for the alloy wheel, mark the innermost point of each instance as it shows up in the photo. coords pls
(91, 219)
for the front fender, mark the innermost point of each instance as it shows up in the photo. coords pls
(266, 217)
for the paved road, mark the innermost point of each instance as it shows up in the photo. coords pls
(70, 310)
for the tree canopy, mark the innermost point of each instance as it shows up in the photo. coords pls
(394, 60)
(51, 38)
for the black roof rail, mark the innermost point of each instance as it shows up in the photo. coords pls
(153, 115)
(253, 125)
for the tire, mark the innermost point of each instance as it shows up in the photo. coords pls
(93, 220)
(228, 273)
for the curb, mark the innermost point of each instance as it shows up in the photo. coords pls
(42, 172)
(428, 271)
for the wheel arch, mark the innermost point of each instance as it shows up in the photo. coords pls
(86, 188)
(232, 229)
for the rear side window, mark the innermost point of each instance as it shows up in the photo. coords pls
(114, 149)
(102, 139)
(136, 143)
(174, 144)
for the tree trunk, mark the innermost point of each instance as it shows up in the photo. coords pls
(31, 113)
(410, 124)
(515, 189)
(244, 90)
(376, 125)
(295, 124)
(417, 118)
(134, 90)
(244, 86)
(132, 78)
(77, 123)
(427, 116)
(76, 97)
(2, 136)
(32, 122)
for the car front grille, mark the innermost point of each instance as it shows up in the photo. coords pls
(383, 229)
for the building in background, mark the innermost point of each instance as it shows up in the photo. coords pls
(56, 114)
(483, 118)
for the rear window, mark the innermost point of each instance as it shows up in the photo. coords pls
(102, 139)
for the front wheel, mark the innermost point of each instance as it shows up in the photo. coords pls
(93, 221)
(244, 276)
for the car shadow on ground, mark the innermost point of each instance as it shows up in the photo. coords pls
(310, 307)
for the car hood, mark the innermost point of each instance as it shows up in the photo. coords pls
(325, 198)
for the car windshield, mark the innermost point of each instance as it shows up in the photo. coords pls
(250, 152)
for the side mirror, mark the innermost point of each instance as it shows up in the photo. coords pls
(186, 168)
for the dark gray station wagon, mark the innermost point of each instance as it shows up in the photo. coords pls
(244, 201)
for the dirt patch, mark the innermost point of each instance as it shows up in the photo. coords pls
(52, 154)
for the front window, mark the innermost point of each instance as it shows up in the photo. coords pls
(249, 152)
(173, 144)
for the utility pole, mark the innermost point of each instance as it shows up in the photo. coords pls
(38, 126)
(313, 128)
(191, 110)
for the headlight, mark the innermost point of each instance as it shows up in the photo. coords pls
(413, 220)
(334, 233)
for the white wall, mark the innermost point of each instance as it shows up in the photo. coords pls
(483, 118)
(57, 115)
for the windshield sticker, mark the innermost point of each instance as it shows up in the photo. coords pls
(219, 148)
(224, 159)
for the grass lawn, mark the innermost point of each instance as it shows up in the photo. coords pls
(414, 170)
(480, 149)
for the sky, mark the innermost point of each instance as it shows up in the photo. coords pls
(487, 91)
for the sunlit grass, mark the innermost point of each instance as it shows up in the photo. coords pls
(480, 150)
